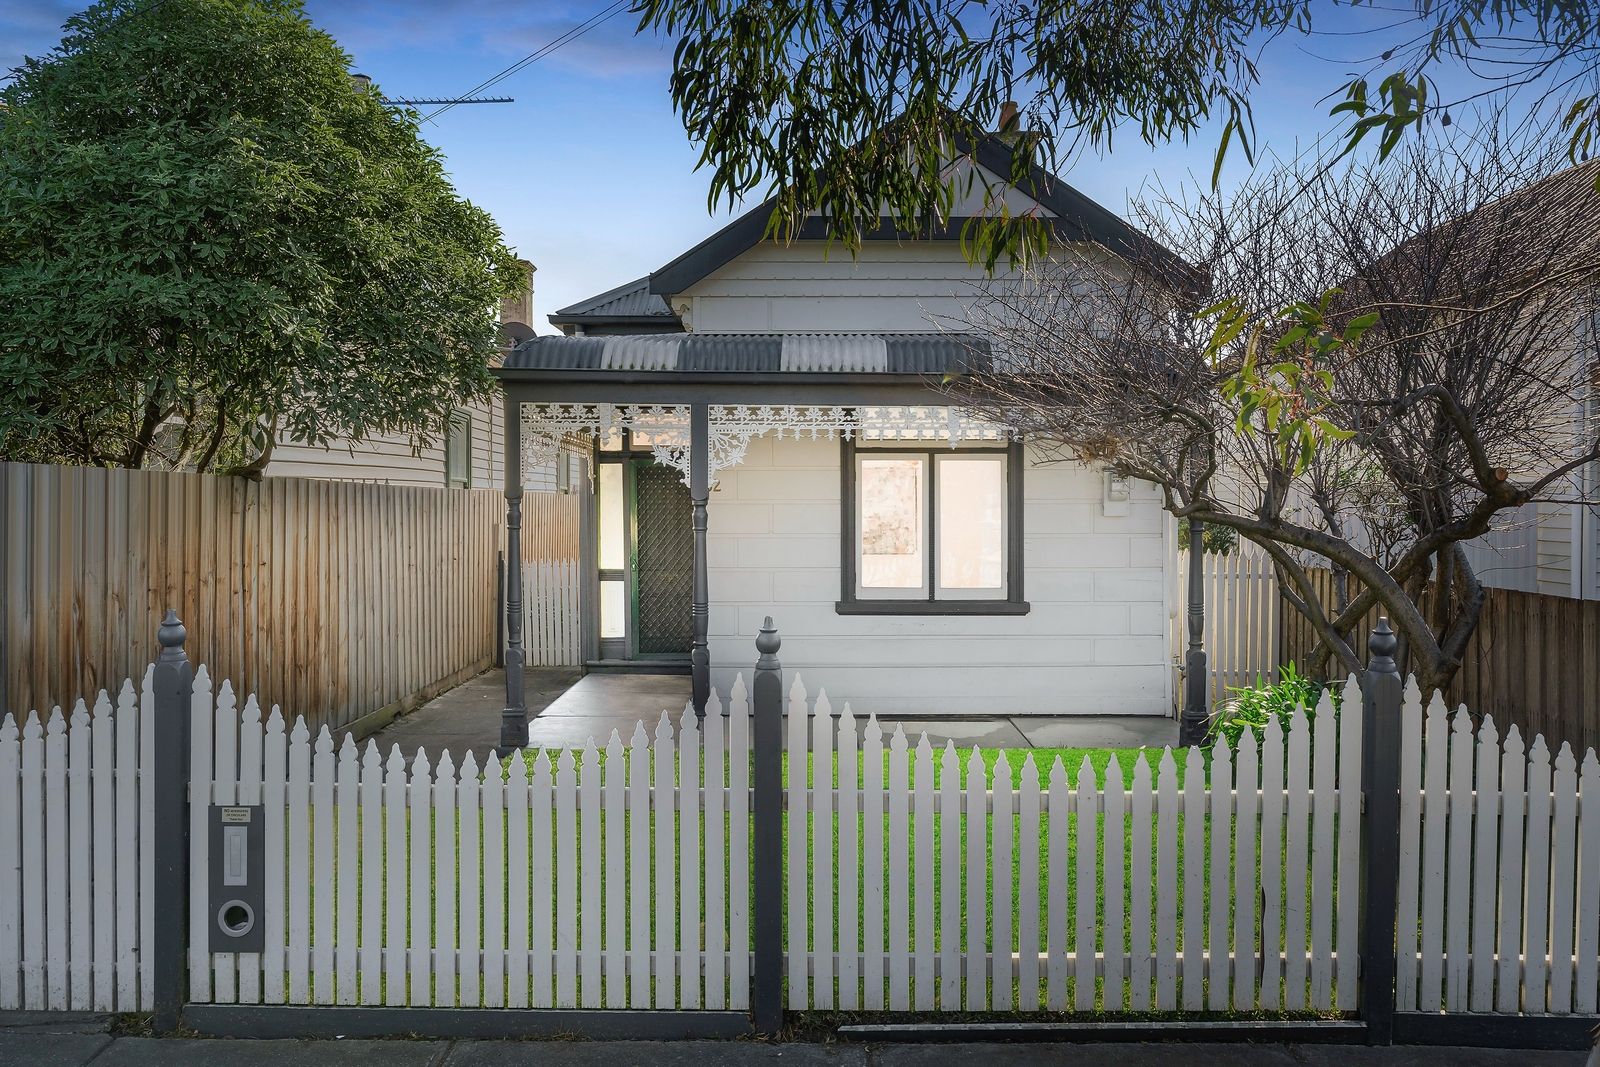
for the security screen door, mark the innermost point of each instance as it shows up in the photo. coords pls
(663, 561)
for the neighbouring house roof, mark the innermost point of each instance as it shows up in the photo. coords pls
(1549, 228)
(911, 354)
(1077, 218)
(631, 306)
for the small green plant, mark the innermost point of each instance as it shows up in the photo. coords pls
(1252, 707)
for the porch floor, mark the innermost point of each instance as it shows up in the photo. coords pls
(566, 709)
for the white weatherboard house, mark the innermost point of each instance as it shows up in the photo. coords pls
(769, 439)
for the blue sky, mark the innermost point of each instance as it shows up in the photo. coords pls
(589, 172)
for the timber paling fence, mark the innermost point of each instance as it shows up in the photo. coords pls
(1534, 660)
(1344, 865)
(345, 601)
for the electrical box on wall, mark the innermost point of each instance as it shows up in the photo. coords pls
(1117, 498)
(238, 878)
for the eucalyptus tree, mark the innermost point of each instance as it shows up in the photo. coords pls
(212, 238)
(853, 108)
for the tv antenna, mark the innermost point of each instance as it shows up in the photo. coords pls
(363, 81)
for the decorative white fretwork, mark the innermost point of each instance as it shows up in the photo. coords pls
(733, 426)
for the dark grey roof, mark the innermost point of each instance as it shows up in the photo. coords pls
(632, 302)
(1077, 218)
(757, 353)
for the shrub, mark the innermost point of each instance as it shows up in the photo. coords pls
(1252, 707)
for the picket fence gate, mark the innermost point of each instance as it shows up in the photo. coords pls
(76, 900)
(544, 880)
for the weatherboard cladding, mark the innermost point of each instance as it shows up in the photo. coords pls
(744, 353)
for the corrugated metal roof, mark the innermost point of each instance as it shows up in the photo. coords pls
(756, 353)
(633, 300)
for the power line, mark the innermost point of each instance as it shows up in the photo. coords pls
(599, 17)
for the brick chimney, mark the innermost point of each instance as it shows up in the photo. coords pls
(1008, 118)
(519, 308)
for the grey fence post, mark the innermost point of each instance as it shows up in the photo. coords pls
(172, 683)
(1381, 695)
(766, 859)
(1196, 719)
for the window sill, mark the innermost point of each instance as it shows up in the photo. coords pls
(932, 607)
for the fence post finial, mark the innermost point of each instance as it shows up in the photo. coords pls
(767, 643)
(1382, 645)
(171, 635)
(172, 682)
(1380, 858)
(766, 854)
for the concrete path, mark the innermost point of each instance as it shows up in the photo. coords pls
(40, 1049)
(566, 708)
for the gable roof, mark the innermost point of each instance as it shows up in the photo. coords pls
(1077, 218)
(629, 304)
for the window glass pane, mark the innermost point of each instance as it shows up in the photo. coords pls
(457, 444)
(611, 608)
(610, 504)
(971, 523)
(892, 540)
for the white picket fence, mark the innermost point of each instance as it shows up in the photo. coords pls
(1242, 615)
(76, 860)
(915, 879)
(1499, 895)
(985, 892)
(574, 879)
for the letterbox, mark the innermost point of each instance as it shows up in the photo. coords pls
(238, 878)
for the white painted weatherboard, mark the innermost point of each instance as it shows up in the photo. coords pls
(1092, 643)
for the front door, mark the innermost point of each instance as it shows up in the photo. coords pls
(663, 561)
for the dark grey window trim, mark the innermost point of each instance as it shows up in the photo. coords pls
(850, 604)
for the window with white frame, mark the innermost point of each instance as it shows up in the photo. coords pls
(458, 450)
(930, 526)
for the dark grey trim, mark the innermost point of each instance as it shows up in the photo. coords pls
(589, 558)
(1496, 1031)
(1381, 696)
(514, 716)
(850, 604)
(1329, 1032)
(766, 843)
(171, 682)
(327, 1021)
(699, 491)
(932, 607)
(1078, 218)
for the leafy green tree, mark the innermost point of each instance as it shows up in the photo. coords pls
(212, 238)
(846, 106)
